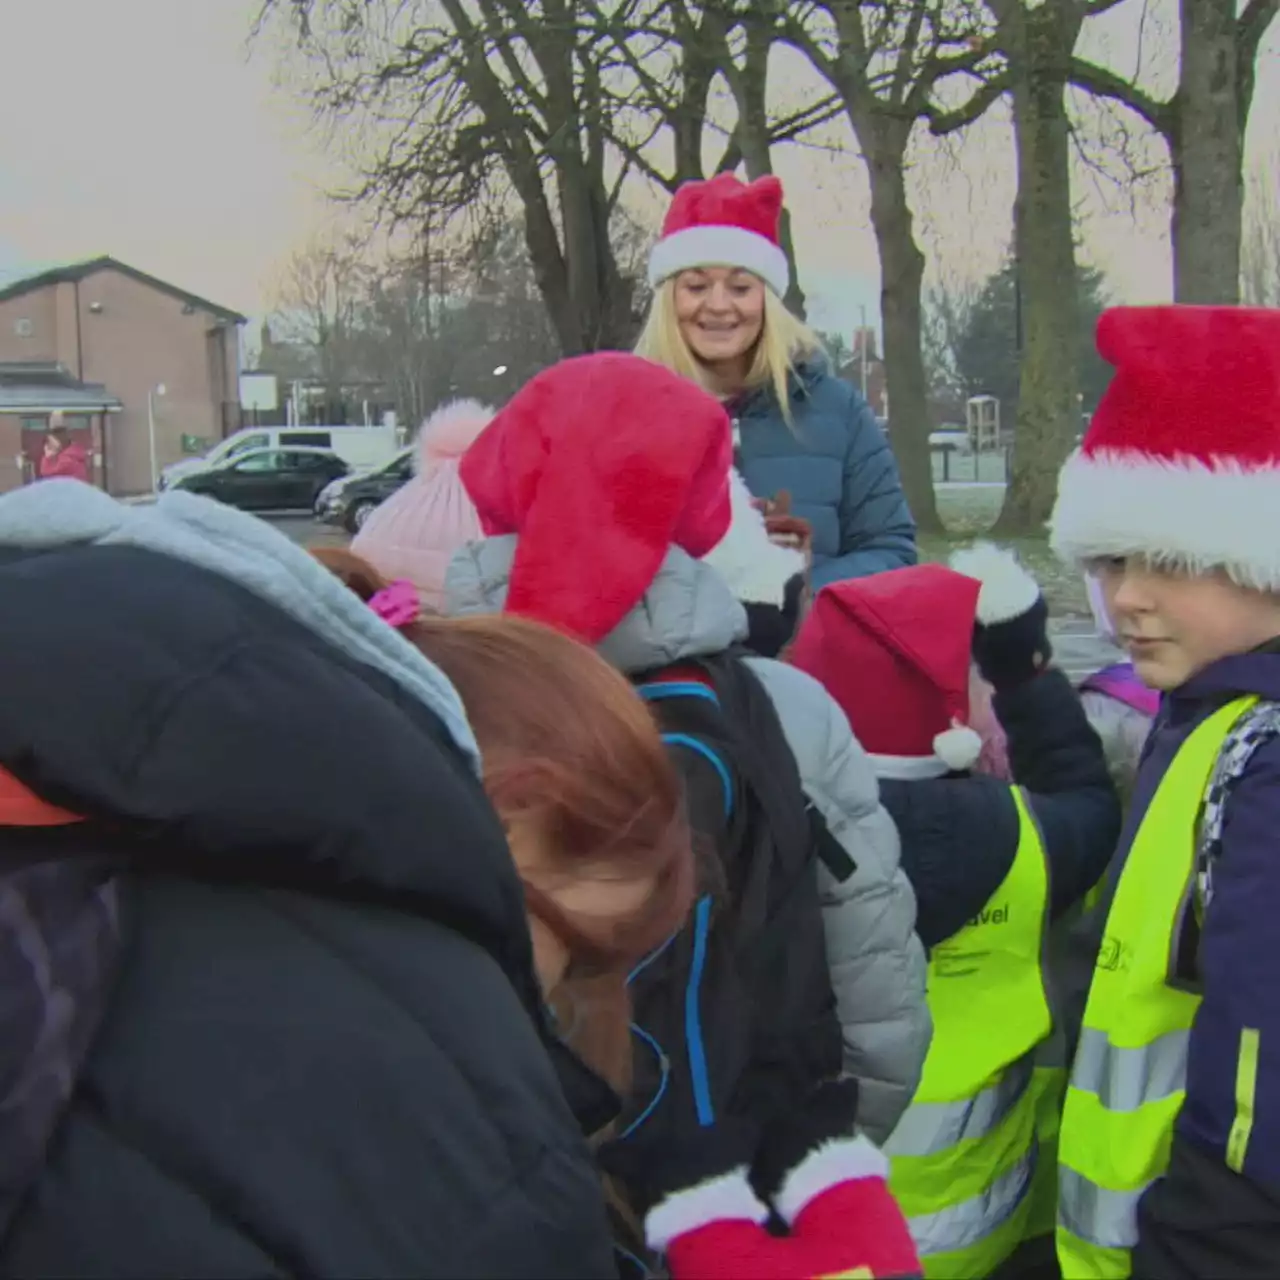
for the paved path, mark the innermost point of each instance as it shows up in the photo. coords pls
(1079, 649)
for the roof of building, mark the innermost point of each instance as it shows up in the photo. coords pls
(80, 270)
(37, 387)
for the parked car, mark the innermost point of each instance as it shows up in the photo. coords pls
(350, 500)
(268, 479)
(362, 448)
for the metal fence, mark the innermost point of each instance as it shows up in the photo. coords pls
(950, 466)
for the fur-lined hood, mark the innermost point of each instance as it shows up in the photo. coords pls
(756, 568)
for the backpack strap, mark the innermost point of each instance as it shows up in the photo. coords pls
(21, 807)
(691, 681)
(1256, 727)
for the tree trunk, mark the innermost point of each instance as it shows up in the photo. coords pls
(1039, 43)
(901, 315)
(1206, 150)
(750, 87)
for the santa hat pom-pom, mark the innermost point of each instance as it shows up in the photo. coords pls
(1008, 590)
(450, 431)
(958, 747)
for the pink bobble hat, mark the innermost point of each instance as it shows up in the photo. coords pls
(418, 530)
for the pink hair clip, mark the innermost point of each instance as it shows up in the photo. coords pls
(398, 604)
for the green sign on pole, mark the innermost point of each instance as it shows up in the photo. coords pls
(194, 444)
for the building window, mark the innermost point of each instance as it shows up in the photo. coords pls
(72, 421)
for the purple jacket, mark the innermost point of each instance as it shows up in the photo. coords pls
(1193, 1219)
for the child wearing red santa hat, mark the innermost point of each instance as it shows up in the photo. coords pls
(606, 494)
(1173, 502)
(992, 864)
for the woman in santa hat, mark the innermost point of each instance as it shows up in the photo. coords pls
(719, 276)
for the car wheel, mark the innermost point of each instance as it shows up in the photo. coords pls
(359, 513)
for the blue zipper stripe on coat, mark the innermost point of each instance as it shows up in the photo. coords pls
(708, 753)
(676, 689)
(693, 1016)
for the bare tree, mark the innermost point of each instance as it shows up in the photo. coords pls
(949, 301)
(464, 97)
(884, 60)
(1203, 125)
(319, 304)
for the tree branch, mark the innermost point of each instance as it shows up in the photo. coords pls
(1103, 83)
(1252, 25)
(987, 94)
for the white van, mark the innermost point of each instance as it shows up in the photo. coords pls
(361, 448)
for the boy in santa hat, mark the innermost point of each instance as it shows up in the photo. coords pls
(1170, 1151)
(992, 864)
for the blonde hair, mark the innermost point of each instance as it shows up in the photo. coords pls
(784, 340)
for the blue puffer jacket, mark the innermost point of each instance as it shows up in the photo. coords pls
(835, 463)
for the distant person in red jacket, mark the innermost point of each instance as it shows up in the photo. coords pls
(63, 456)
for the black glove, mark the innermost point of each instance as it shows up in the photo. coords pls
(1011, 631)
(770, 628)
(648, 1173)
(828, 1113)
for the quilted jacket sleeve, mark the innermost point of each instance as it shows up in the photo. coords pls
(877, 961)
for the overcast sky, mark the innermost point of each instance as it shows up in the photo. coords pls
(140, 129)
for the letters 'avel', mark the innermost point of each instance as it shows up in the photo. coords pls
(992, 915)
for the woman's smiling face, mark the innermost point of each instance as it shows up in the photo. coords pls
(720, 311)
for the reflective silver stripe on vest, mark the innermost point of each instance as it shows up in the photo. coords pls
(1126, 1079)
(1108, 1219)
(930, 1128)
(966, 1224)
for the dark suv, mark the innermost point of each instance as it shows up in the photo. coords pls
(351, 501)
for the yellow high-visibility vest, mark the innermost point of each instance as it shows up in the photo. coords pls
(963, 1157)
(1128, 1080)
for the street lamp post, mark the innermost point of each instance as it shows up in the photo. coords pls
(151, 433)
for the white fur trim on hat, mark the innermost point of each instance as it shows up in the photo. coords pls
(727, 1198)
(843, 1160)
(1176, 512)
(908, 768)
(756, 568)
(1008, 590)
(719, 247)
(958, 747)
(955, 750)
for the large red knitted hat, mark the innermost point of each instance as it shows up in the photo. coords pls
(1181, 462)
(600, 464)
(723, 222)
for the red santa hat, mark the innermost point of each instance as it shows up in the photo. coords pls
(600, 464)
(723, 222)
(1181, 462)
(895, 650)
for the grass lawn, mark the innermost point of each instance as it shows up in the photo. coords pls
(969, 513)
